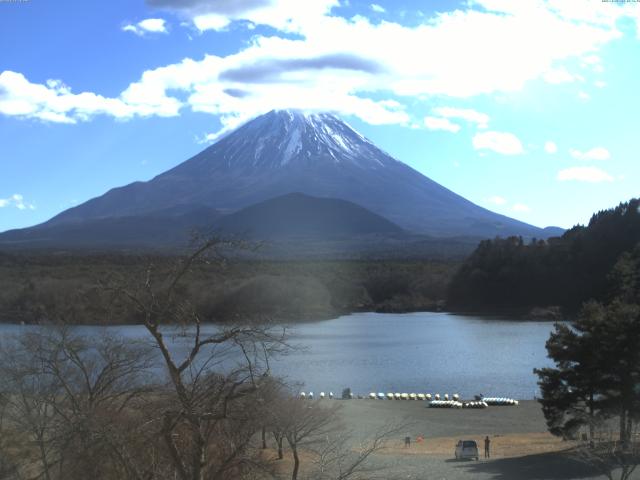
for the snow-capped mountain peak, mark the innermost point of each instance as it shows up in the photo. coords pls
(290, 137)
(317, 154)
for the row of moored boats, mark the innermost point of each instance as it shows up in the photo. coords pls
(435, 401)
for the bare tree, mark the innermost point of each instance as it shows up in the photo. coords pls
(208, 415)
(8, 469)
(65, 401)
(338, 457)
(190, 403)
(28, 398)
(302, 424)
(313, 430)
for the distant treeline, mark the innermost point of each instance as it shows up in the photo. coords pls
(36, 287)
(509, 273)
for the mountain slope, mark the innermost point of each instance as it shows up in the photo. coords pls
(299, 215)
(283, 152)
(162, 228)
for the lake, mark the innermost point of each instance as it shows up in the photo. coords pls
(411, 352)
(420, 352)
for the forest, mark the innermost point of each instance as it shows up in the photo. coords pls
(507, 274)
(34, 288)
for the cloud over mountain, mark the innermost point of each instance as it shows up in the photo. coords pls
(351, 65)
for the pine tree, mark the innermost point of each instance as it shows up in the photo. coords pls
(597, 373)
(571, 392)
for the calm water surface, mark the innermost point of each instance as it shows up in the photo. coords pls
(420, 352)
(415, 352)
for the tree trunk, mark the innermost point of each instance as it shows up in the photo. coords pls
(279, 440)
(591, 419)
(296, 463)
(44, 460)
(199, 458)
(623, 428)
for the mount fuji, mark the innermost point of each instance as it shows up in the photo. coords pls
(276, 154)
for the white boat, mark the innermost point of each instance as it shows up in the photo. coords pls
(500, 401)
(445, 404)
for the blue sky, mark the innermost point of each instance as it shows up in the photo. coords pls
(527, 108)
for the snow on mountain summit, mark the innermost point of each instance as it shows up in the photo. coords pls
(286, 137)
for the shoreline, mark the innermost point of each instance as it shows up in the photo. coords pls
(493, 315)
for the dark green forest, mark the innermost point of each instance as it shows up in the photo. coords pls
(511, 274)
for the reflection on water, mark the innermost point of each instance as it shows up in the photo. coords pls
(416, 352)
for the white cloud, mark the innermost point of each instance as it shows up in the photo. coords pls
(468, 114)
(600, 83)
(209, 138)
(550, 147)
(584, 174)
(341, 64)
(54, 101)
(596, 153)
(130, 28)
(285, 15)
(149, 25)
(591, 60)
(434, 123)
(377, 8)
(584, 96)
(593, 63)
(558, 75)
(156, 25)
(16, 200)
(497, 200)
(211, 22)
(500, 142)
(520, 207)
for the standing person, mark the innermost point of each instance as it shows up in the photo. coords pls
(487, 447)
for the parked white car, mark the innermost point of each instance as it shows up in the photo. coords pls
(467, 449)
